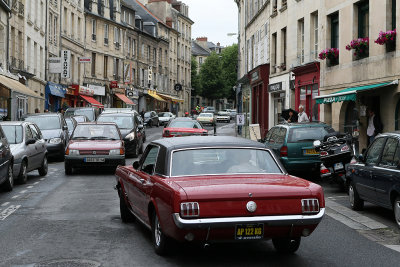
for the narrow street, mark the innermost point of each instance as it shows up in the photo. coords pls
(74, 220)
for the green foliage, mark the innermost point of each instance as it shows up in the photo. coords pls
(195, 78)
(229, 70)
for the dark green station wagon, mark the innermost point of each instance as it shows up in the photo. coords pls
(293, 144)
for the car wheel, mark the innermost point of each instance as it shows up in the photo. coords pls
(44, 168)
(286, 245)
(68, 168)
(396, 209)
(158, 123)
(126, 215)
(356, 203)
(23, 173)
(160, 240)
(9, 183)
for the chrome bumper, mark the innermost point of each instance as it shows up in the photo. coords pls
(280, 220)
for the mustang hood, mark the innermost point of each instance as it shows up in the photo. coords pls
(47, 134)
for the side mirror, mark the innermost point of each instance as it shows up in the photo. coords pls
(316, 143)
(136, 165)
(30, 141)
(140, 126)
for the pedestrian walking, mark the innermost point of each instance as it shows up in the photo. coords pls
(375, 126)
(302, 117)
(142, 113)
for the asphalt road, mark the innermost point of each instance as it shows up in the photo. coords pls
(74, 220)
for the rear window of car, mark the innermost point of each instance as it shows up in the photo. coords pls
(185, 124)
(205, 115)
(222, 161)
(13, 133)
(123, 122)
(85, 112)
(45, 122)
(308, 134)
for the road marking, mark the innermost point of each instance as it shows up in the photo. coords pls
(35, 183)
(15, 196)
(29, 187)
(7, 212)
(23, 191)
(41, 179)
(5, 204)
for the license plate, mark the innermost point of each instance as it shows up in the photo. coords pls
(310, 152)
(249, 231)
(338, 166)
(94, 160)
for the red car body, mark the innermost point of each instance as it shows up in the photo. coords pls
(287, 207)
(183, 127)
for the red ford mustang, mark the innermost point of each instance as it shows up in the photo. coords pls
(215, 188)
(183, 127)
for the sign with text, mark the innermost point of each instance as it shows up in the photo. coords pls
(85, 60)
(65, 64)
(255, 133)
(97, 89)
(275, 87)
(55, 65)
(240, 119)
(85, 91)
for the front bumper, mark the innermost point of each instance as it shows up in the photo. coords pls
(55, 149)
(109, 161)
(223, 118)
(281, 220)
(130, 146)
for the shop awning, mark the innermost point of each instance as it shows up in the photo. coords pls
(174, 99)
(350, 94)
(16, 86)
(125, 99)
(92, 101)
(56, 89)
(156, 96)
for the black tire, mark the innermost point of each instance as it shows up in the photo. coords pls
(160, 240)
(126, 214)
(396, 210)
(150, 123)
(356, 203)
(68, 168)
(286, 245)
(9, 183)
(23, 173)
(44, 168)
(158, 124)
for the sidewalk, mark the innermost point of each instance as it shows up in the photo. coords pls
(225, 130)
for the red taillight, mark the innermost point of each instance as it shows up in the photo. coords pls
(284, 151)
(190, 209)
(310, 205)
(324, 153)
(344, 148)
(324, 171)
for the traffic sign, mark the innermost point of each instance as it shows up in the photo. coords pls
(240, 119)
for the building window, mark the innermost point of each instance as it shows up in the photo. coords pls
(116, 69)
(117, 37)
(72, 25)
(314, 34)
(93, 64)
(334, 18)
(301, 40)
(51, 28)
(129, 45)
(200, 61)
(363, 19)
(274, 54)
(55, 30)
(105, 71)
(284, 47)
(148, 53)
(155, 55)
(134, 48)
(392, 10)
(106, 34)
(94, 30)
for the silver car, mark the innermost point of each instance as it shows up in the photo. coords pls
(28, 148)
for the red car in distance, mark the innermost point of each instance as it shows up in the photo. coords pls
(217, 188)
(183, 127)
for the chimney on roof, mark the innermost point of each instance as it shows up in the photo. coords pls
(202, 41)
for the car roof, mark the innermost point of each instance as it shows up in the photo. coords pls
(183, 119)
(206, 141)
(15, 123)
(97, 123)
(81, 108)
(50, 114)
(121, 114)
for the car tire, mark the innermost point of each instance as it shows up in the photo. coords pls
(158, 124)
(9, 183)
(44, 168)
(160, 240)
(23, 173)
(396, 210)
(356, 203)
(68, 168)
(286, 245)
(126, 214)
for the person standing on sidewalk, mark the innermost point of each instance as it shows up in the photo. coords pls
(302, 116)
(375, 126)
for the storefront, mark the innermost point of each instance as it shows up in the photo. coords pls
(307, 89)
(155, 102)
(85, 97)
(172, 103)
(259, 79)
(99, 92)
(54, 94)
(278, 90)
(133, 95)
(5, 96)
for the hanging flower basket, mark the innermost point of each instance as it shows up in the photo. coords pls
(387, 38)
(331, 54)
(360, 46)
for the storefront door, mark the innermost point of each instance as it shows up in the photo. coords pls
(307, 99)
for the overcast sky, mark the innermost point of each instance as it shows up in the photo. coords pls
(214, 19)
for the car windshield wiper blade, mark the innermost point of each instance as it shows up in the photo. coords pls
(102, 137)
(80, 137)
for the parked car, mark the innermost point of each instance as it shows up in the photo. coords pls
(223, 116)
(376, 176)
(131, 130)
(54, 130)
(233, 114)
(80, 118)
(206, 118)
(151, 119)
(209, 109)
(94, 145)
(28, 148)
(293, 144)
(6, 163)
(91, 112)
(183, 127)
(71, 123)
(165, 117)
(141, 122)
(236, 189)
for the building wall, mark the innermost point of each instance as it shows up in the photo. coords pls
(3, 37)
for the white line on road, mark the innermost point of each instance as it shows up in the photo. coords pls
(41, 179)
(7, 212)
(23, 191)
(29, 187)
(15, 196)
(35, 183)
(5, 204)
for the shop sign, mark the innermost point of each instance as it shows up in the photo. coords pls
(118, 91)
(240, 119)
(55, 65)
(255, 76)
(85, 60)
(66, 63)
(275, 87)
(98, 90)
(132, 93)
(113, 84)
(85, 91)
(339, 98)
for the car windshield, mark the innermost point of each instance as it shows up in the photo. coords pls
(205, 115)
(185, 124)
(308, 134)
(147, 114)
(86, 112)
(45, 122)
(13, 133)
(70, 124)
(96, 132)
(123, 122)
(222, 161)
(80, 118)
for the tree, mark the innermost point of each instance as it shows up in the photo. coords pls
(211, 77)
(229, 70)
(196, 85)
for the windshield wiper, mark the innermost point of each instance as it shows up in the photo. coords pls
(80, 138)
(102, 138)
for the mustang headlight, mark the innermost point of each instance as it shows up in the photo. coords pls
(55, 140)
(73, 152)
(130, 136)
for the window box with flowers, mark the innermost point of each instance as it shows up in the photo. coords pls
(387, 38)
(332, 56)
(360, 46)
